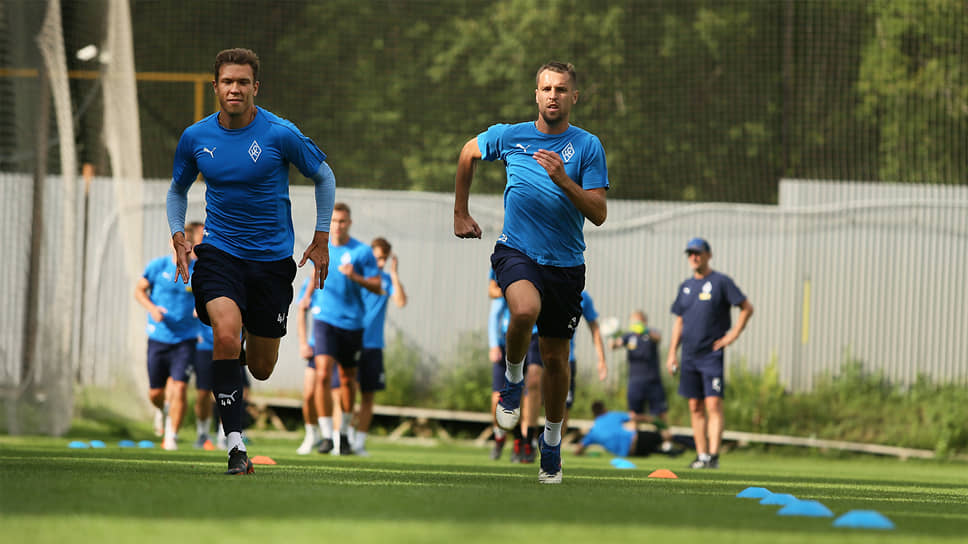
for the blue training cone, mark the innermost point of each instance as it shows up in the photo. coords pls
(778, 498)
(77, 444)
(126, 444)
(146, 444)
(753, 493)
(618, 462)
(812, 509)
(97, 444)
(864, 519)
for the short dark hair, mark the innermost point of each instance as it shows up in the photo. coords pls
(561, 68)
(381, 243)
(598, 408)
(342, 207)
(237, 56)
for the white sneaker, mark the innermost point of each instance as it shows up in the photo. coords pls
(361, 452)
(307, 445)
(221, 442)
(169, 443)
(508, 409)
(545, 478)
(337, 443)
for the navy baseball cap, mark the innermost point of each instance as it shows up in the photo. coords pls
(698, 244)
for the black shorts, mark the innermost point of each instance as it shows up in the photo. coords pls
(643, 392)
(371, 374)
(559, 287)
(646, 442)
(261, 289)
(344, 345)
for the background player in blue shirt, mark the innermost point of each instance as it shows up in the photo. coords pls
(339, 324)
(244, 272)
(304, 327)
(202, 362)
(172, 335)
(557, 177)
(617, 433)
(703, 328)
(371, 374)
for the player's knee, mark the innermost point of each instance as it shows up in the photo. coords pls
(156, 396)
(226, 342)
(524, 316)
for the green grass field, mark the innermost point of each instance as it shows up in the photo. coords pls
(454, 493)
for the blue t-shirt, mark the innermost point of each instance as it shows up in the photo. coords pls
(247, 208)
(206, 339)
(590, 314)
(608, 432)
(178, 323)
(704, 306)
(376, 313)
(539, 220)
(341, 301)
(643, 356)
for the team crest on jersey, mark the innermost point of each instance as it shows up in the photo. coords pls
(568, 152)
(255, 150)
(346, 258)
(707, 289)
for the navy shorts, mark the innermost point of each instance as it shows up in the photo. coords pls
(334, 377)
(371, 374)
(644, 392)
(169, 360)
(262, 290)
(560, 289)
(204, 370)
(701, 377)
(344, 345)
(534, 352)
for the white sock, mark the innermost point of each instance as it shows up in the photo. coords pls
(311, 430)
(704, 457)
(234, 440)
(169, 427)
(515, 371)
(344, 427)
(202, 426)
(498, 433)
(167, 406)
(552, 433)
(360, 442)
(325, 427)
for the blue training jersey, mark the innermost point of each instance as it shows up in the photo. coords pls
(206, 338)
(609, 432)
(539, 220)
(704, 305)
(178, 323)
(341, 300)
(590, 314)
(247, 208)
(376, 313)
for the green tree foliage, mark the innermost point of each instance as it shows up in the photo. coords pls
(914, 87)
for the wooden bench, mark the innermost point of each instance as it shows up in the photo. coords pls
(424, 420)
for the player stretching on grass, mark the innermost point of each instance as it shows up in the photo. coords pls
(702, 326)
(245, 269)
(557, 177)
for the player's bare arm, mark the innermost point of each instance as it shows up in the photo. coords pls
(141, 294)
(399, 294)
(318, 252)
(745, 312)
(182, 248)
(591, 203)
(371, 284)
(672, 360)
(464, 224)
